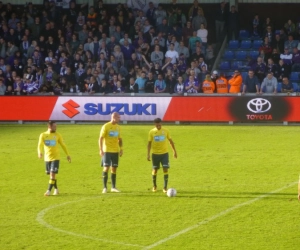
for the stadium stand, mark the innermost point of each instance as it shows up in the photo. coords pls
(294, 77)
(256, 44)
(237, 65)
(244, 74)
(224, 65)
(246, 44)
(295, 87)
(279, 86)
(244, 34)
(253, 54)
(228, 55)
(75, 44)
(233, 44)
(240, 55)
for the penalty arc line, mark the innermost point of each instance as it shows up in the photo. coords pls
(40, 219)
(205, 221)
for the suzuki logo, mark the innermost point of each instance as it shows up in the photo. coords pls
(70, 110)
(259, 105)
(121, 108)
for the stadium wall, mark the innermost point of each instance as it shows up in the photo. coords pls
(200, 108)
(279, 13)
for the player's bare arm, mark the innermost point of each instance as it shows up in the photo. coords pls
(173, 147)
(121, 146)
(101, 146)
(40, 147)
(63, 145)
(148, 150)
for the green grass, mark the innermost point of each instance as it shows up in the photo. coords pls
(219, 172)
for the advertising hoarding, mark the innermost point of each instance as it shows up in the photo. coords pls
(137, 108)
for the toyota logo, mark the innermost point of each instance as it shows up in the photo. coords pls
(259, 105)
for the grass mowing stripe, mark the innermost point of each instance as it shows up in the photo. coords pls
(217, 216)
(40, 219)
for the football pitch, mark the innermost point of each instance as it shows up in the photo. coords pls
(236, 189)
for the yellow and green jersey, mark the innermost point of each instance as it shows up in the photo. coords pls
(159, 140)
(111, 133)
(48, 144)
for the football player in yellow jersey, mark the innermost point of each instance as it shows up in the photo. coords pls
(48, 145)
(110, 146)
(158, 139)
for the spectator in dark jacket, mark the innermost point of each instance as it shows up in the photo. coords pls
(133, 87)
(233, 24)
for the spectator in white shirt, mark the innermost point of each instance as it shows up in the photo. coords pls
(172, 54)
(202, 33)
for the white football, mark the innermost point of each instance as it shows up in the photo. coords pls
(171, 192)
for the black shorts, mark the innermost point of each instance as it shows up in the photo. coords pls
(110, 160)
(158, 160)
(52, 166)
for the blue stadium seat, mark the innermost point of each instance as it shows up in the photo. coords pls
(228, 55)
(294, 77)
(237, 65)
(253, 54)
(224, 65)
(256, 44)
(279, 86)
(245, 44)
(233, 44)
(244, 34)
(240, 55)
(295, 87)
(242, 87)
(244, 74)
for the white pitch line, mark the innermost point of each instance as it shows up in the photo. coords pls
(40, 219)
(205, 221)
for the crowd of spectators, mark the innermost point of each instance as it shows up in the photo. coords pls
(96, 49)
(279, 55)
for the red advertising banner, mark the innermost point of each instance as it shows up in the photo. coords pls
(38, 108)
(200, 108)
